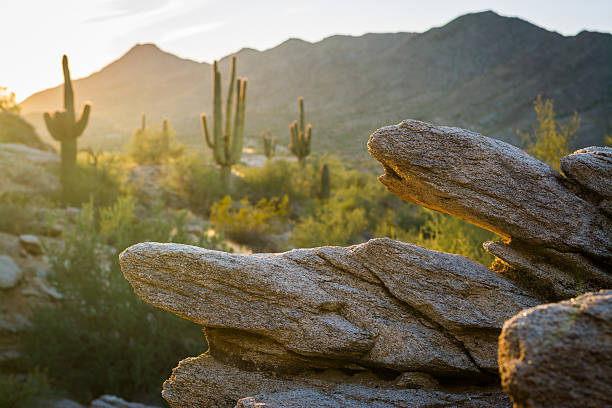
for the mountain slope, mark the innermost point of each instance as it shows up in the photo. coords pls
(480, 71)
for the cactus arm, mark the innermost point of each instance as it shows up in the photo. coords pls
(208, 140)
(245, 81)
(294, 136)
(218, 115)
(68, 92)
(239, 120)
(307, 140)
(52, 126)
(209, 143)
(80, 125)
(301, 105)
(235, 141)
(143, 122)
(230, 98)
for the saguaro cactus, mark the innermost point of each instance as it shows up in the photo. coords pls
(300, 136)
(269, 144)
(226, 141)
(66, 128)
(324, 189)
(143, 122)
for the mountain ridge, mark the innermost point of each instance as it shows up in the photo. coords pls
(480, 71)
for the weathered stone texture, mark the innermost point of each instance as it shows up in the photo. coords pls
(559, 355)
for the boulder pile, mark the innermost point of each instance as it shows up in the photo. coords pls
(385, 323)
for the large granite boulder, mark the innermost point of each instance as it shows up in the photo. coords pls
(557, 244)
(559, 355)
(348, 321)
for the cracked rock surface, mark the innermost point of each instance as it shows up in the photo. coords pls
(558, 236)
(383, 305)
(560, 354)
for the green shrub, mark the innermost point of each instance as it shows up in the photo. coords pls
(155, 145)
(100, 337)
(334, 223)
(197, 183)
(100, 183)
(276, 178)
(450, 234)
(249, 224)
(550, 140)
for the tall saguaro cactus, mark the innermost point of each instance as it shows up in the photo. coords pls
(66, 128)
(300, 136)
(143, 122)
(269, 144)
(324, 188)
(226, 141)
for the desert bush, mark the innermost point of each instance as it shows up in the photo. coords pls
(100, 337)
(334, 223)
(550, 140)
(276, 178)
(21, 213)
(250, 224)
(446, 233)
(154, 145)
(17, 390)
(402, 222)
(196, 182)
(100, 183)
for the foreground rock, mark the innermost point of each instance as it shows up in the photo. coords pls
(558, 244)
(382, 305)
(559, 355)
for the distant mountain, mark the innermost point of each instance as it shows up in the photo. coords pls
(481, 71)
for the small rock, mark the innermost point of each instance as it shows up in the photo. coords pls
(195, 230)
(31, 244)
(43, 288)
(10, 272)
(56, 230)
(40, 289)
(110, 401)
(66, 403)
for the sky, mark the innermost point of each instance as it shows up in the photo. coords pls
(93, 33)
